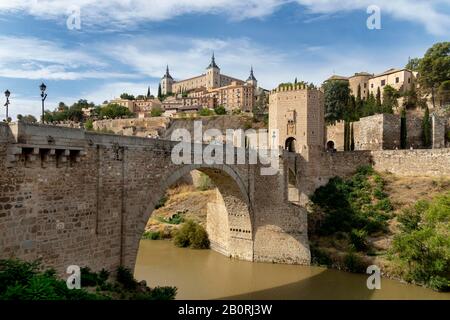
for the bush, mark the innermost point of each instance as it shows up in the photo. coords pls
(205, 112)
(161, 202)
(193, 235)
(152, 235)
(355, 203)
(358, 239)
(320, 257)
(205, 182)
(353, 263)
(126, 279)
(156, 112)
(175, 219)
(21, 280)
(220, 110)
(422, 249)
(89, 125)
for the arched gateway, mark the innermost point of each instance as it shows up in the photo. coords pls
(72, 197)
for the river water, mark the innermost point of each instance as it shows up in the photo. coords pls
(205, 274)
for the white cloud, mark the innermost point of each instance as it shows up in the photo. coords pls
(32, 58)
(425, 12)
(113, 14)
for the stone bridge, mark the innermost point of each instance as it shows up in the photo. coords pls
(75, 197)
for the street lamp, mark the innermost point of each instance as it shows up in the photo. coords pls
(43, 87)
(7, 94)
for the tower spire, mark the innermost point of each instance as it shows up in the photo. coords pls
(213, 62)
(251, 76)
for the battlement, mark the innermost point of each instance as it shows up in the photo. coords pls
(293, 87)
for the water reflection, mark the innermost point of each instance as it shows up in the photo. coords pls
(205, 274)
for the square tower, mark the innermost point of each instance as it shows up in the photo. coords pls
(298, 113)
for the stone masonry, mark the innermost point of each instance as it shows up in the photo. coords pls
(74, 197)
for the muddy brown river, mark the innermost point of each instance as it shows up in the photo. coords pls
(205, 274)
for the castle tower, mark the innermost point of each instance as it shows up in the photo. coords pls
(251, 80)
(166, 82)
(212, 74)
(298, 113)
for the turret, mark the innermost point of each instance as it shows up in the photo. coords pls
(212, 74)
(166, 82)
(251, 80)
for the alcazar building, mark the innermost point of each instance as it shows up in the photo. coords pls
(213, 88)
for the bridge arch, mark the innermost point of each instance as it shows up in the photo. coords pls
(230, 220)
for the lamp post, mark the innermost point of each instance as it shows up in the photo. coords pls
(43, 87)
(7, 94)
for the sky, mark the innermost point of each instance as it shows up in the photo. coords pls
(97, 49)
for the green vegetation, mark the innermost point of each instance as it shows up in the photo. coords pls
(434, 68)
(161, 202)
(175, 219)
(65, 113)
(220, 110)
(127, 96)
(152, 235)
(89, 124)
(205, 112)
(191, 234)
(20, 280)
(422, 249)
(426, 128)
(403, 129)
(205, 182)
(337, 95)
(113, 111)
(357, 205)
(156, 111)
(28, 118)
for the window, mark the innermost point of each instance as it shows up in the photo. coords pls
(383, 83)
(409, 80)
(397, 80)
(371, 85)
(365, 85)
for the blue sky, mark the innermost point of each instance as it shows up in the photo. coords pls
(123, 46)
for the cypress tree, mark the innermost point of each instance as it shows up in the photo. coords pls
(159, 92)
(403, 130)
(378, 99)
(426, 128)
(352, 139)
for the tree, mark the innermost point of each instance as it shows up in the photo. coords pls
(403, 129)
(261, 104)
(444, 93)
(28, 118)
(378, 97)
(390, 96)
(434, 68)
(295, 81)
(369, 106)
(413, 64)
(114, 110)
(127, 96)
(426, 129)
(156, 111)
(220, 110)
(337, 94)
(159, 92)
